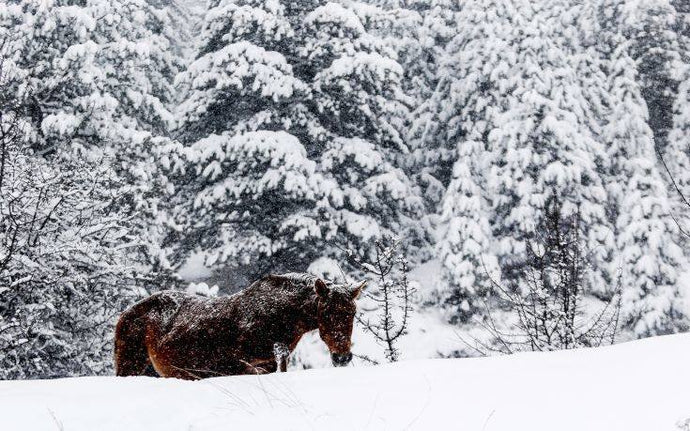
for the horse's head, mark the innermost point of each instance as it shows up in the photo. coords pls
(336, 314)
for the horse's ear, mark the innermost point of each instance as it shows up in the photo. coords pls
(358, 290)
(321, 289)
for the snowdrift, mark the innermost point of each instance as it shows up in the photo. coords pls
(642, 385)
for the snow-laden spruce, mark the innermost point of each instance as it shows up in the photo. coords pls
(648, 257)
(293, 138)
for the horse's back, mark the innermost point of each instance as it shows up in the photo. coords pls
(158, 312)
(158, 302)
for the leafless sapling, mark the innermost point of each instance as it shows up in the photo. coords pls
(392, 296)
(547, 297)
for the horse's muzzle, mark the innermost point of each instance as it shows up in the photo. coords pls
(341, 359)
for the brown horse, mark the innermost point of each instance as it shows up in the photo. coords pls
(173, 334)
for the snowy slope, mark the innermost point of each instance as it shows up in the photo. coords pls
(642, 385)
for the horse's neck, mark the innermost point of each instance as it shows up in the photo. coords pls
(296, 307)
(304, 308)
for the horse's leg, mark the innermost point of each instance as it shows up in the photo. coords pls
(281, 352)
(150, 371)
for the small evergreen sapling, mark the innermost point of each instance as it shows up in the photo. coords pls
(392, 298)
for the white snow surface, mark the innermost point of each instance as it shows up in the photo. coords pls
(642, 385)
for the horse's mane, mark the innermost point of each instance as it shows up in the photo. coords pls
(301, 280)
(292, 281)
(307, 280)
(298, 278)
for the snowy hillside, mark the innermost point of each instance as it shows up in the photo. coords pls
(641, 385)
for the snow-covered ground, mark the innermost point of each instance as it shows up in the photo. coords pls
(642, 385)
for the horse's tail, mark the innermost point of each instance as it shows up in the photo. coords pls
(131, 353)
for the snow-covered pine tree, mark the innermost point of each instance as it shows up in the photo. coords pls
(107, 59)
(293, 110)
(451, 132)
(676, 157)
(361, 102)
(544, 142)
(582, 35)
(649, 259)
(95, 80)
(650, 24)
(464, 246)
(241, 91)
(682, 27)
(418, 32)
(675, 161)
(436, 124)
